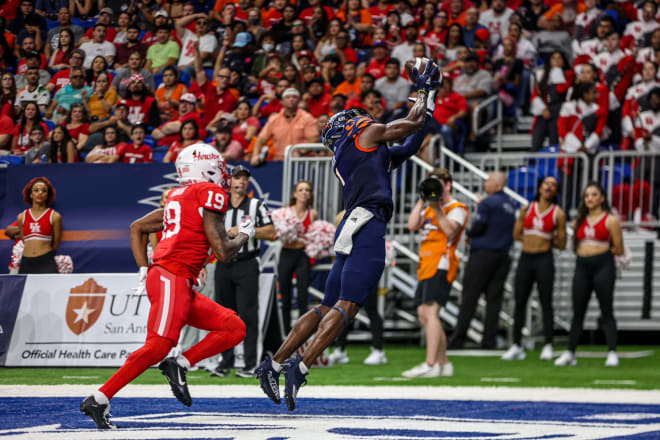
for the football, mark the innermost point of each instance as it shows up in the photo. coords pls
(420, 64)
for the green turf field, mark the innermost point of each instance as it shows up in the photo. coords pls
(636, 373)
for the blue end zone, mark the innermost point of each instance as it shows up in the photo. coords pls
(345, 418)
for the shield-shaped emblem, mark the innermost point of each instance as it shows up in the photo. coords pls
(84, 306)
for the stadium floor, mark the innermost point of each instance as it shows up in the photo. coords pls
(385, 412)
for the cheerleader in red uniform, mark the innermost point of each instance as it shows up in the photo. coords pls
(40, 226)
(598, 238)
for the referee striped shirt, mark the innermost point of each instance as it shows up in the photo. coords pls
(260, 215)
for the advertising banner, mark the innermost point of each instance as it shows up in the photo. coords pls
(11, 288)
(81, 320)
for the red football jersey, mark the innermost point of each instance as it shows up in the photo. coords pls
(183, 248)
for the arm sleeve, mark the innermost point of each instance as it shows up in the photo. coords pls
(410, 147)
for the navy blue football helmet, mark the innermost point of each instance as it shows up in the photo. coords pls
(334, 128)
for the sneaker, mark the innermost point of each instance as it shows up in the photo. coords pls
(546, 353)
(269, 379)
(514, 353)
(567, 358)
(338, 356)
(245, 372)
(220, 372)
(97, 412)
(208, 365)
(293, 380)
(612, 359)
(176, 376)
(424, 370)
(376, 357)
(447, 370)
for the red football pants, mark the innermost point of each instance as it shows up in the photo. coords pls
(173, 305)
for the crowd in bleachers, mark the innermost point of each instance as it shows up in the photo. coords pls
(252, 77)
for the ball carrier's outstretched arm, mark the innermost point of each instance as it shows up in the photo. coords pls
(331, 321)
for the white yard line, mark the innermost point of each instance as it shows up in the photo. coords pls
(80, 377)
(614, 382)
(360, 392)
(499, 379)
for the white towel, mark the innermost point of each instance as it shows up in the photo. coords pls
(358, 218)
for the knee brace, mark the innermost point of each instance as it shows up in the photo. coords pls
(344, 314)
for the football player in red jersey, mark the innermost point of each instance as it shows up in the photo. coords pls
(192, 222)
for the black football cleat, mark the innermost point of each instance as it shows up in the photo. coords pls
(269, 379)
(97, 412)
(176, 376)
(293, 380)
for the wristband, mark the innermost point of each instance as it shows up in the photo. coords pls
(423, 92)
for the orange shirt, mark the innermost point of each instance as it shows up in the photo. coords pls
(436, 251)
(460, 19)
(299, 130)
(164, 106)
(559, 9)
(349, 90)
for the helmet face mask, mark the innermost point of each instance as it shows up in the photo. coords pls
(200, 163)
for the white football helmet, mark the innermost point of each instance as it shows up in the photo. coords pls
(199, 163)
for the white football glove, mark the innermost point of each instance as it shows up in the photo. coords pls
(246, 226)
(141, 289)
(430, 102)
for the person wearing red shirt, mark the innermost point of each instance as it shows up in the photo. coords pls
(376, 66)
(217, 96)
(379, 11)
(6, 131)
(273, 15)
(367, 82)
(105, 17)
(344, 50)
(192, 224)
(318, 100)
(138, 151)
(449, 108)
(168, 133)
(63, 77)
(306, 14)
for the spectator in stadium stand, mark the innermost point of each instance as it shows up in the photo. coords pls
(290, 126)
(567, 10)
(474, 84)
(247, 126)
(230, 149)
(77, 122)
(376, 66)
(293, 76)
(530, 12)
(104, 18)
(403, 9)
(240, 82)
(239, 55)
(32, 61)
(38, 152)
(293, 258)
(455, 10)
(583, 50)
(203, 36)
(337, 104)
(188, 135)
(224, 21)
(99, 66)
(496, 20)
(317, 100)
(161, 18)
(23, 49)
(429, 10)
(123, 21)
(508, 78)
(647, 125)
(282, 30)
(7, 94)
(98, 46)
(525, 50)
(81, 8)
(585, 20)
(328, 43)
(142, 107)
(168, 95)
(53, 37)
(553, 38)
(435, 36)
(137, 151)
(31, 117)
(217, 97)
(329, 70)
(319, 23)
(597, 240)
(637, 98)
(441, 220)
(374, 104)
(75, 92)
(273, 101)
(344, 50)
(451, 107)
(649, 53)
(550, 88)
(60, 147)
(392, 86)
(164, 52)
(124, 76)
(6, 130)
(237, 280)
(144, 11)
(638, 32)
(404, 50)
(119, 120)
(454, 41)
(102, 99)
(7, 46)
(40, 226)
(61, 54)
(488, 265)
(379, 11)
(254, 24)
(350, 87)
(63, 77)
(169, 131)
(472, 25)
(581, 122)
(132, 44)
(32, 92)
(106, 152)
(367, 82)
(266, 45)
(304, 58)
(541, 226)
(28, 21)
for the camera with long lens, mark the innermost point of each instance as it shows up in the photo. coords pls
(431, 189)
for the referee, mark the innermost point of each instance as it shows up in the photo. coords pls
(237, 281)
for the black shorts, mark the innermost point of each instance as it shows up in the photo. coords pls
(435, 289)
(42, 264)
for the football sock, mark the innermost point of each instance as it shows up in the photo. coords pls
(100, 397)
(183, 362)
(303, 368)
(276, 365)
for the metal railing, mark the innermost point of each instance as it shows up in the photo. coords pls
(632, 182)
(495, 122)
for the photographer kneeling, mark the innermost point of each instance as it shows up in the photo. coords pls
(441, 220)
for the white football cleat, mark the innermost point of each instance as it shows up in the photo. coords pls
(338, 356)
(612, 359)
(566, 359)
(447, 370)
(514, 353)
(423, 370)
(376, 357)
(546, 353)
